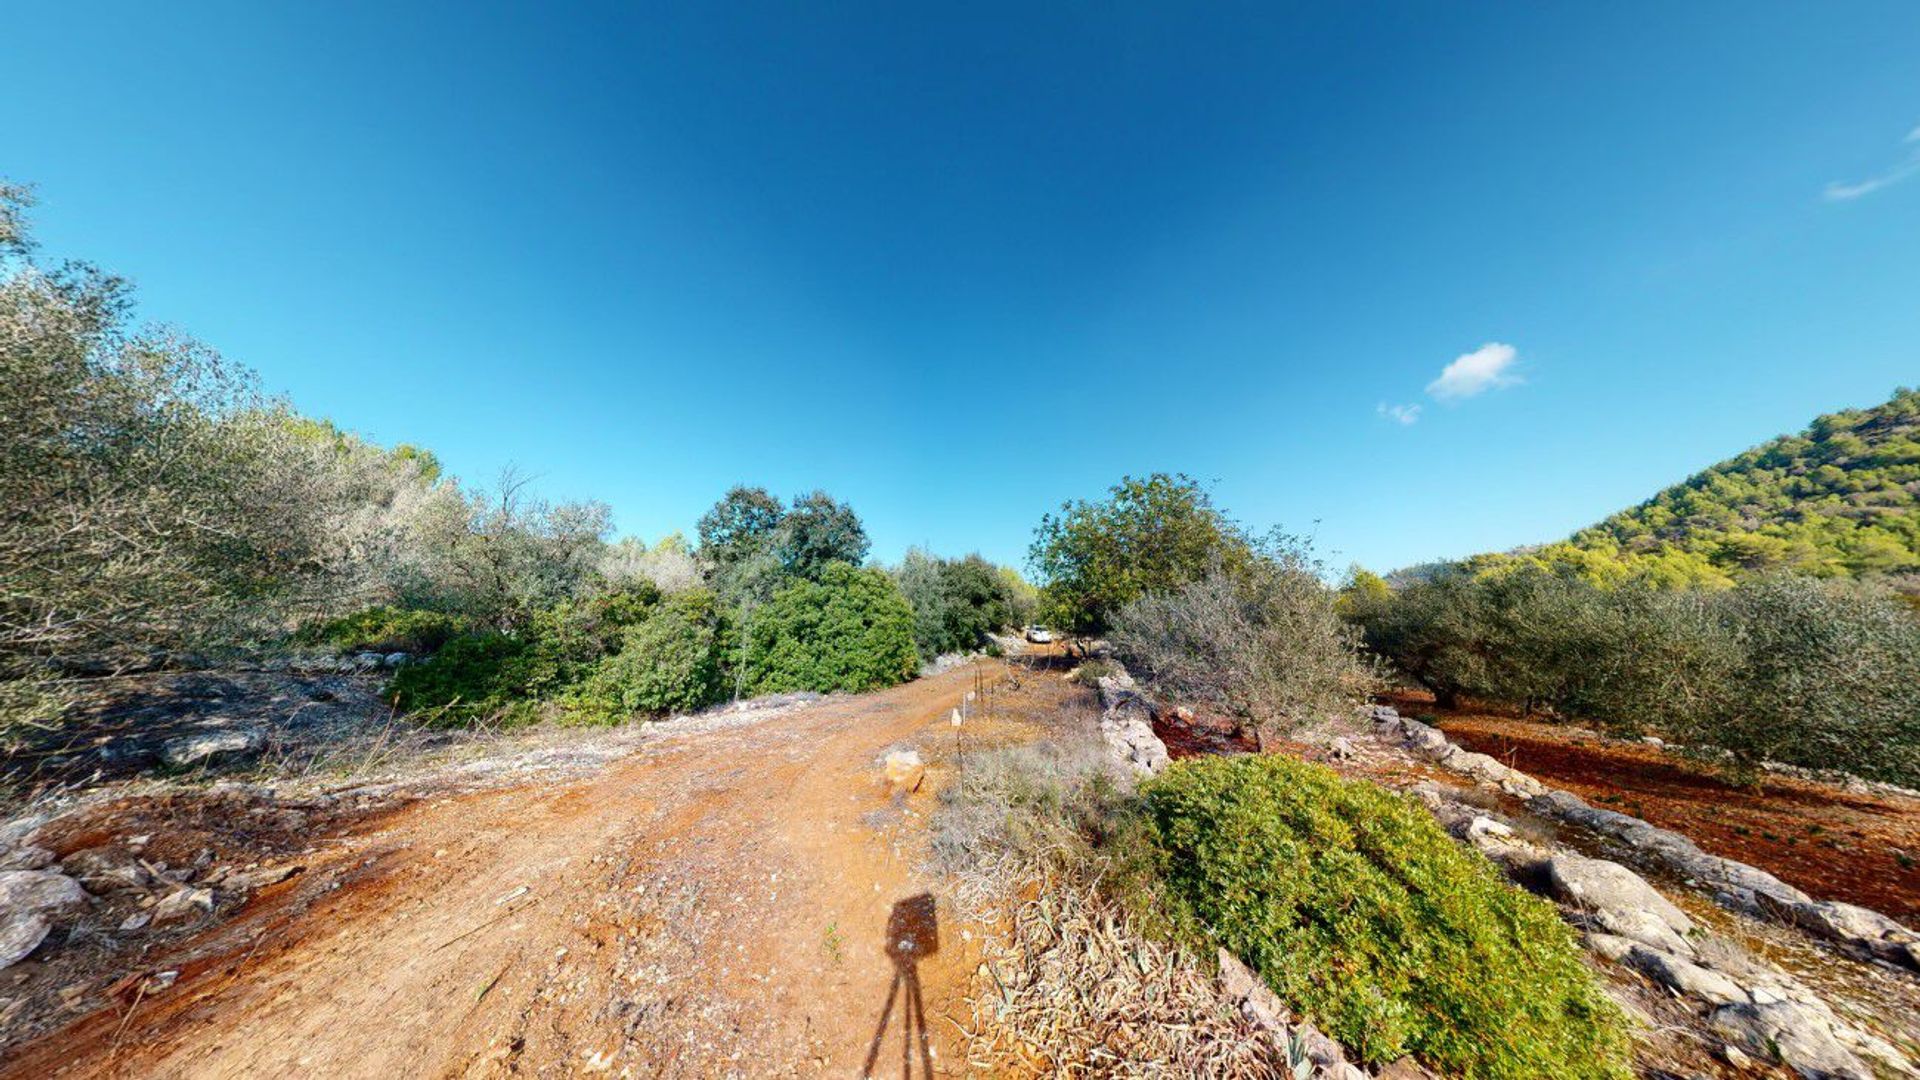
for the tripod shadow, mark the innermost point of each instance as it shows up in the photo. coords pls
(913, 932)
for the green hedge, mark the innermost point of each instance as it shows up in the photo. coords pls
(1358, 910)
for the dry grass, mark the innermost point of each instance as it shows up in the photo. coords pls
(1070, 985)
(1073, 991)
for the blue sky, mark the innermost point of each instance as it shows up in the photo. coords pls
(957, 264)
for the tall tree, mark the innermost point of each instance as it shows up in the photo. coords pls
(1151, 534)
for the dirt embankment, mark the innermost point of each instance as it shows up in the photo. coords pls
(733, 902)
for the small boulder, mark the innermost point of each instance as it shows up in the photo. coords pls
(1257, 1002)
(213, 745)
(905, 771)
(1848, 924)
(20, 934)
(1619, 901)
(39, 891)
(27, 857)
(1791, 1034)
(28, 900)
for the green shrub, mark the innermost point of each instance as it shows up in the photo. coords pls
(472, 677)
(851, 630)
(673, 662)
(1356, 908)
(488, 673)
(386, 629)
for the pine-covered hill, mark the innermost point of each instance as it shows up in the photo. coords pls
(1842, 498)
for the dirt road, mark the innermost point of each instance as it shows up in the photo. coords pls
(715, 904)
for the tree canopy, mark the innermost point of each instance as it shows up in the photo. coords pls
(1150, 534)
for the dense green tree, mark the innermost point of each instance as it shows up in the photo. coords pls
(1839, 499)
(1152, 534)
(819, 530)
(850, 630)
(739, 525)
(956, 603)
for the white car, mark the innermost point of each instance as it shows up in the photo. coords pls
(1039, 635)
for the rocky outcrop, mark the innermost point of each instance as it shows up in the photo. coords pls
(214, 745)
(1429, 742)
(1755, 1007)
(1618, 901)
(1126, 723)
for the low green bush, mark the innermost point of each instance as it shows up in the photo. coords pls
(473, 676)
(673, 662)
(386, 629)
(1360, 911)
(851, 630)
(490, 674)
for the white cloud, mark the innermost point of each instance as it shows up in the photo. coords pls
(1399, 414)
(1485, 368)
(1839, 191)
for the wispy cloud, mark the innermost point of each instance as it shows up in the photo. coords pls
(1842, 191)
(1489, 367)
(1399, 414)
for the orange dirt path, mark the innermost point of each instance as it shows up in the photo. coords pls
(715, 904)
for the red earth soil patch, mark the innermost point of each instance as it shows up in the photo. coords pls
(1203, 735)
(1859, 847)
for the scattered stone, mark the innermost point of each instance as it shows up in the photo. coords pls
(213, 745)
(1128, 730)
(136, 921)
(107, 869)
(260, 878)
(395, 659)
(1343, 749)
(182, 905)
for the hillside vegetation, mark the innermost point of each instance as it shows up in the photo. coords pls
(1839, 498)
(1761, 611)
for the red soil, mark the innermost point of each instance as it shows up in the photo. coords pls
(1856, 846)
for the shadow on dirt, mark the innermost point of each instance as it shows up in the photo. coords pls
(913, 932)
